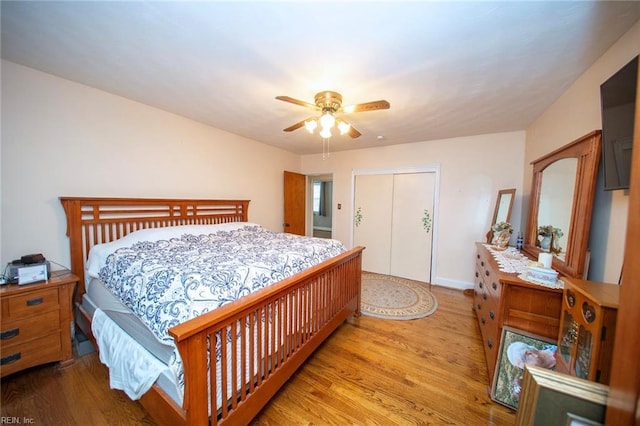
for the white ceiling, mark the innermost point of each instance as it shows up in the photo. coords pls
(448, 68)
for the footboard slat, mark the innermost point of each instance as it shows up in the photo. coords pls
(269, 335)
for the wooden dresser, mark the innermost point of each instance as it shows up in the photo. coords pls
(503, 299)
(36, 323)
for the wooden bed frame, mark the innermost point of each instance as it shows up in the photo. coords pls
(302, 311)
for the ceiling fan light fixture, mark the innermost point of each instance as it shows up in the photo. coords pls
(310, 125)
(325, 133)
(344, 127)
(327, 120)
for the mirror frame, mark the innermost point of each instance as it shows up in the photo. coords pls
(502, 192)
(587, 150)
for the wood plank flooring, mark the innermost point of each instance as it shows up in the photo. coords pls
(429, 371)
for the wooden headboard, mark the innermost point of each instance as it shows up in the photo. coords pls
(92, 221)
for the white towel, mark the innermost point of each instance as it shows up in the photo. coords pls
(131, 368)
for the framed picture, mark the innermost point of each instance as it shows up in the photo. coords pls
(554, 399)
(517, 350)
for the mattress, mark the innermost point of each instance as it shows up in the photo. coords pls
(99, 296)
(139, 333)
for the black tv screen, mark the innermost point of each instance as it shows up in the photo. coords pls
(618, 101)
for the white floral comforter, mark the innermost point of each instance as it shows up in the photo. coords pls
(169, 281)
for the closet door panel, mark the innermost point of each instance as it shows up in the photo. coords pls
(373, 198)
(413, 193)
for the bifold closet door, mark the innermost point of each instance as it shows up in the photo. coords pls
(372, 227)
(411, 236)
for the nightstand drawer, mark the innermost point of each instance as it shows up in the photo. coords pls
(35, 352)
(16, 332)
(32, 303)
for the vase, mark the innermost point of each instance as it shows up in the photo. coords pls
(501, 238)
(545, 243)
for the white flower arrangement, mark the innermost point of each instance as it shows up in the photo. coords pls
(502, 226)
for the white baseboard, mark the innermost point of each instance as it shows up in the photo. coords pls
(445, 282)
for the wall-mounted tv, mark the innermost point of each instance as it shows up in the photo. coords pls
(618, 102)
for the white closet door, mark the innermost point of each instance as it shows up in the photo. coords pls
(413, 194)
(373, 195)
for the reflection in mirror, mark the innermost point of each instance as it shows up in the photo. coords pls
(505, 201)
(562, 192)
(556, 204)
(502, 211)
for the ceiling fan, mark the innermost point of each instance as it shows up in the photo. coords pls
(330, 104)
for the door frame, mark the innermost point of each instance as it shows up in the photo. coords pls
(427, 168)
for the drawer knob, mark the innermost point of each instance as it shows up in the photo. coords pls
(479, 306)
(9, 334)
(34, 302)
(478, 256)
(492, 314)
(494, 285)
(10, 358)
(484, 296)
(482, 262)
(487, 272)
(490, 343)
(480, 284)
(482, 320)
(477, 274)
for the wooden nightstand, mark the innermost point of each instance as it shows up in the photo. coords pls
(36, 323)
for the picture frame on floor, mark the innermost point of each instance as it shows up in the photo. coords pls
(517, 350)
(555, 399)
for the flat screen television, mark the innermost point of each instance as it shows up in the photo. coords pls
(618, 102)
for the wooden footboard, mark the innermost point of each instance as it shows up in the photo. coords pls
(270, 334)
(236, 357)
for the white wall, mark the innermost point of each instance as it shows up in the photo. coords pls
(574, 114)
(60, 138)
(473, 170)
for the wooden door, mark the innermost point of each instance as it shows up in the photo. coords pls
(413, 195)
(294, 203)
(372, 226)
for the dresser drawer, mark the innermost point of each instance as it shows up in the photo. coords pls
(28, 304)
(34, 352)
(16, 332)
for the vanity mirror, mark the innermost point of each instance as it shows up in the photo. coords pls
(502, 211)
(562, 193)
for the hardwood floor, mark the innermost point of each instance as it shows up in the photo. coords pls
(429, 371)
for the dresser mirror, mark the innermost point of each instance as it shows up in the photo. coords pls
(561, 203)
(502, 211)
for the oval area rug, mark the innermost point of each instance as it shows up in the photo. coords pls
(389, 297)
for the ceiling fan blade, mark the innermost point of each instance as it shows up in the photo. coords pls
(367, 106)
(295, 126)
(354, 133)
(297, 102)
